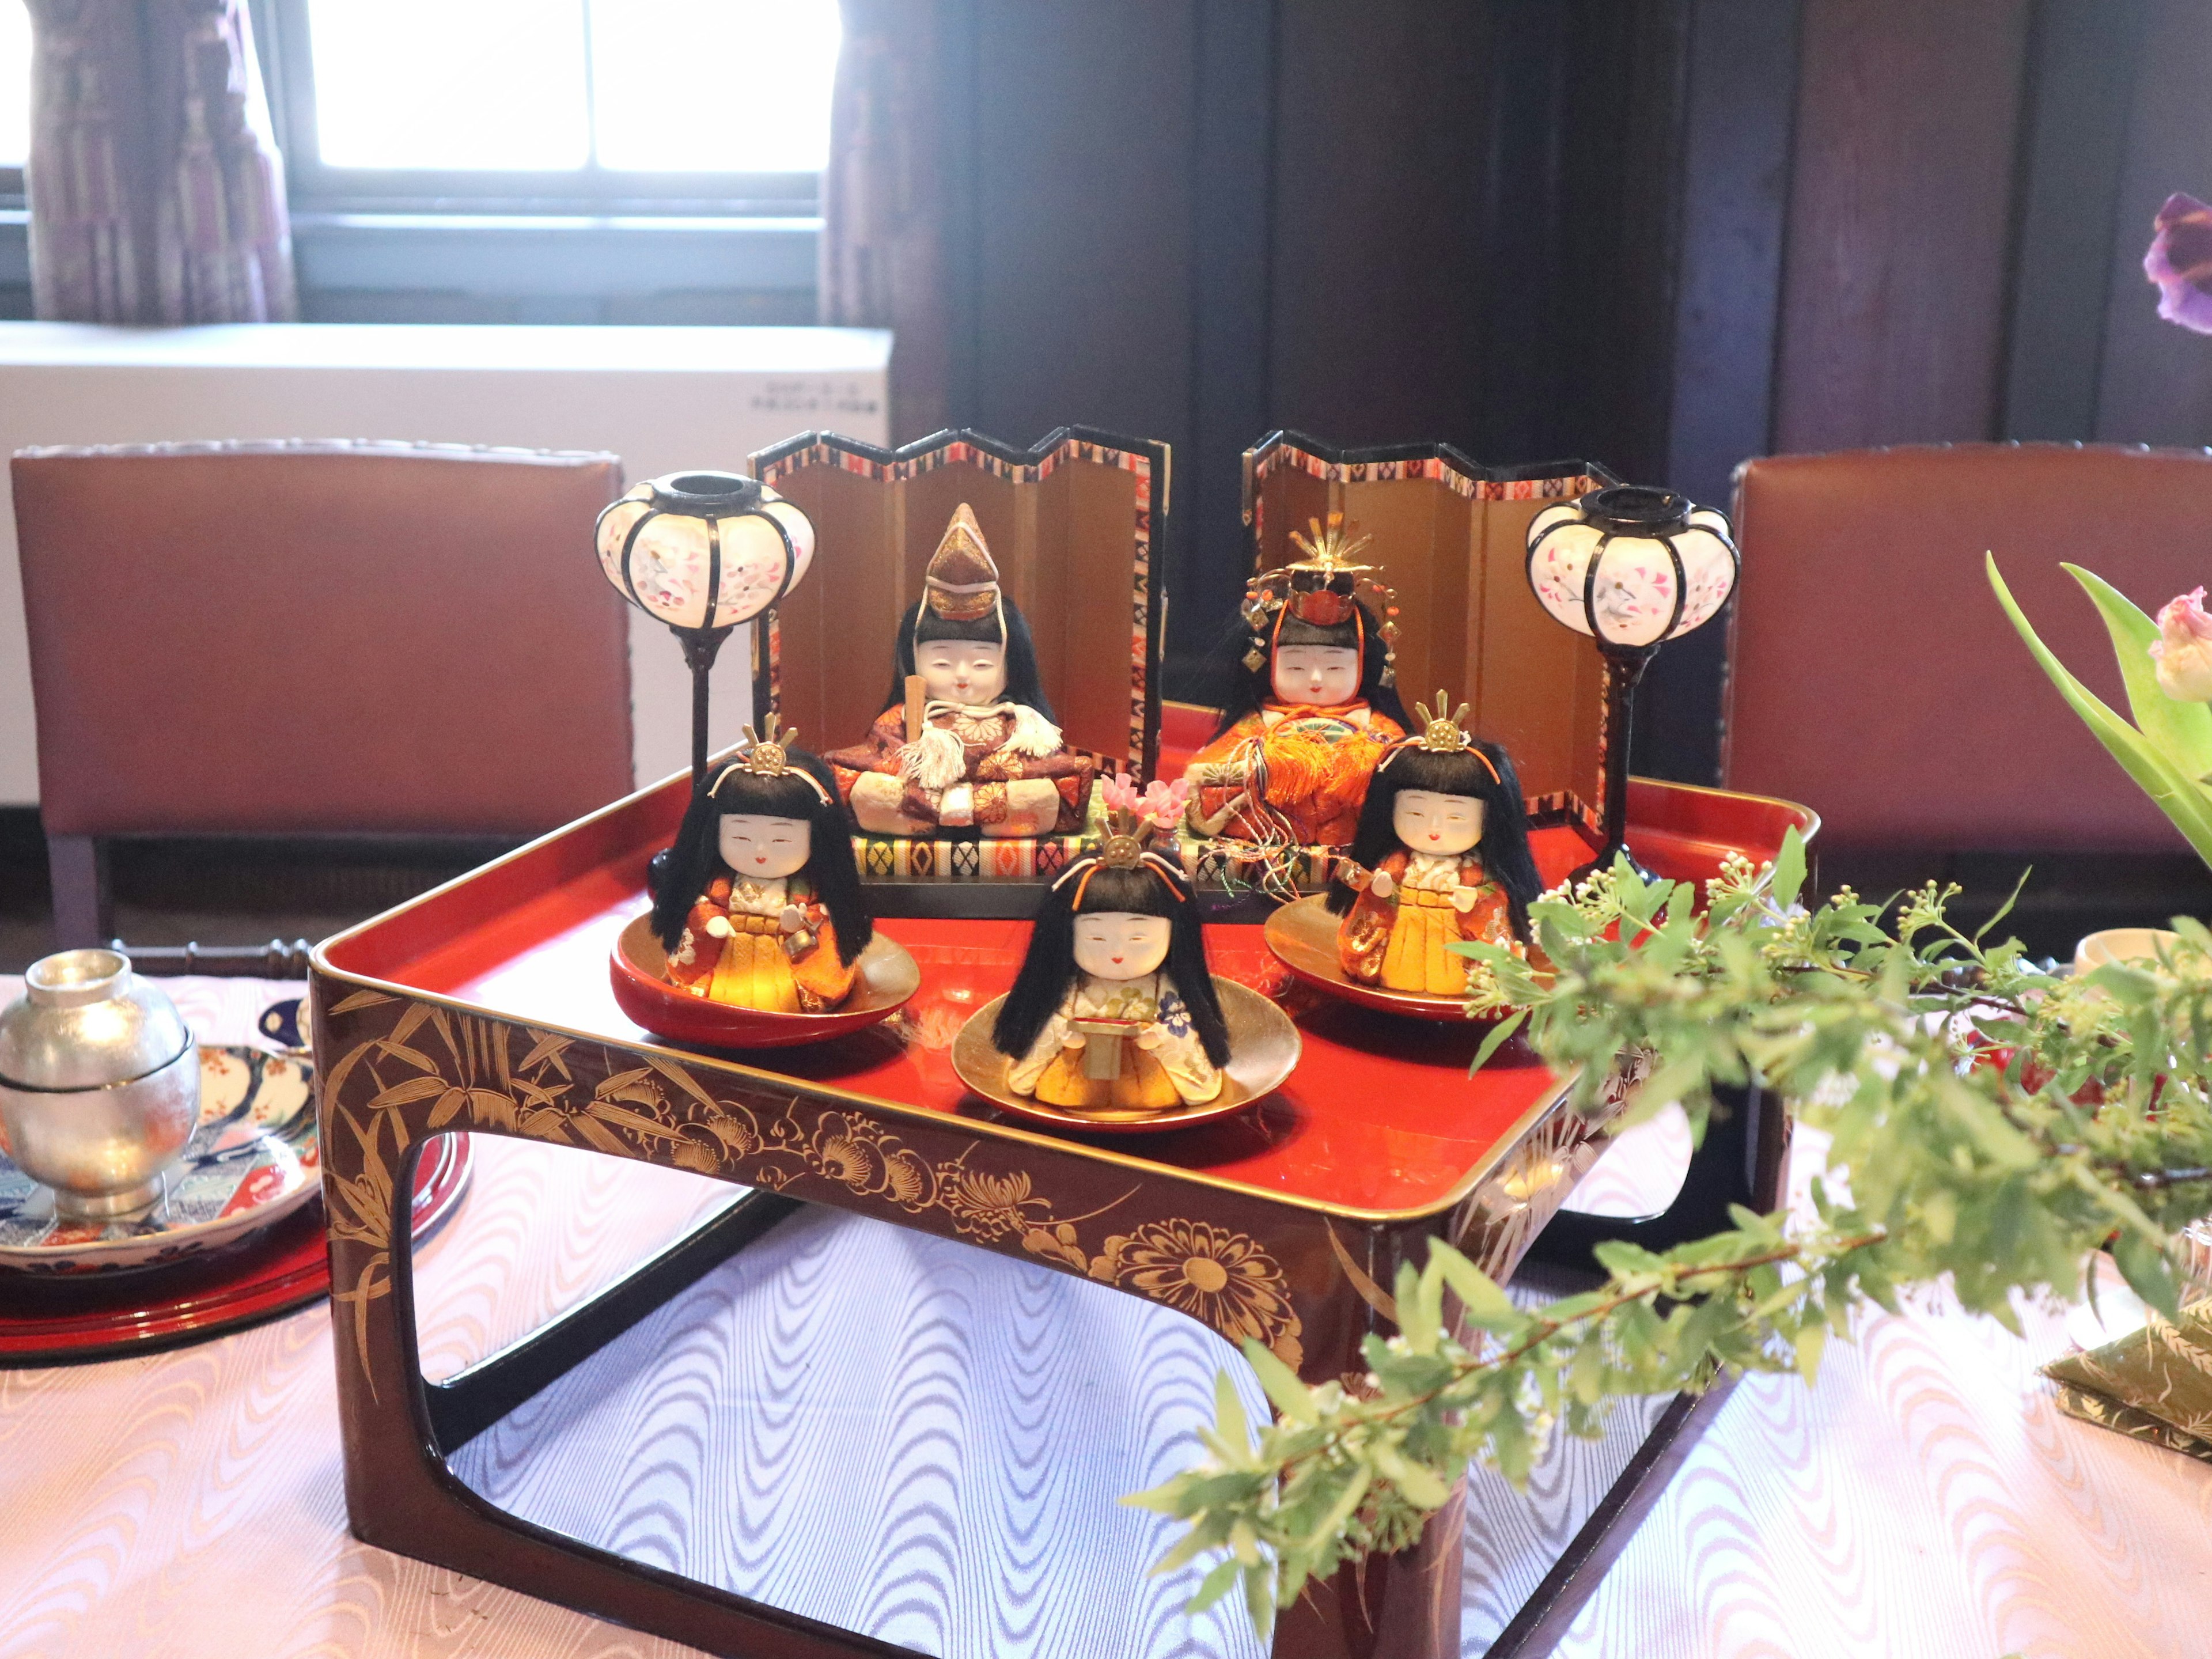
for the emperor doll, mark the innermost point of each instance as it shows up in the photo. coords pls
(1441, 856)
(1315, 708)
(968, 743)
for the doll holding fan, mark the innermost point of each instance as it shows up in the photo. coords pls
(1441, 855)
(1114, 1009)
(761, 905)
(1314, 710)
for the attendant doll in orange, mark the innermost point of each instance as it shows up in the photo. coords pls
(1315, 708)
(1441, 855)
(760, 905)
(978, 751)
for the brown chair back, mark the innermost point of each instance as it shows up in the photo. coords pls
(1873, 675)
(284, 638)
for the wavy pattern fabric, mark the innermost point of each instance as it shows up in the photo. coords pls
(955, 1440)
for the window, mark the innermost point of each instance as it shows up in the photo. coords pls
(15, 96)
(673, 105)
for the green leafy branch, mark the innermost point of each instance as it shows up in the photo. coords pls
(1992, 1124)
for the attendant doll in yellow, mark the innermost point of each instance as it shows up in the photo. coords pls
(1114, 1009)
(1441, 855)
(761, 903)
(1314, 709)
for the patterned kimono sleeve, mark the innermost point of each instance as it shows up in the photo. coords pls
(1196, 1079)
(1491, 919)
(878, 752)
(1208, 798)
(823, 980)
(1023, 1074)
(1364, 934)
(692, 963)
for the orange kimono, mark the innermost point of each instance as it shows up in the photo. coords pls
(1399, 942)
(1315, 762)
(758, 964)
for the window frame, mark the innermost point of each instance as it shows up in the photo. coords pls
(287, 69)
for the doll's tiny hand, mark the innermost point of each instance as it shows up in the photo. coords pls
(1462, 899)
(1151, 1037)
(718, 927)
(792, 919)
(1074, 1040)
(1382, 886)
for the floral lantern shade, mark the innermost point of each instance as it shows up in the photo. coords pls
(704, 550)
(1632, 567)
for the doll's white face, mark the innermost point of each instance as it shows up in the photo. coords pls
(962, 671)
(1120, 943)
(766, 848)
(1323, 674)
(1440, 824)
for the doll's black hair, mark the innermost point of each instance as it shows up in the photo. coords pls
(696, 858)
(1250, 688)
(1503, 848)
(1048, 968)
(1023, 685)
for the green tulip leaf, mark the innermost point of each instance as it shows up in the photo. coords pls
(2176, 793)
(2182, 730)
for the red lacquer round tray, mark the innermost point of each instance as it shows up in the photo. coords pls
(71, 1317)
(887, 979)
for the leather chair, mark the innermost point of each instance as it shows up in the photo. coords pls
(1873, 675)
(288, 639)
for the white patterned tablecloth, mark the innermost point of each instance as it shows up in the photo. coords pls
(958, 1424)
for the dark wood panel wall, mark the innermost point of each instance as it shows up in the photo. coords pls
(1666, 235)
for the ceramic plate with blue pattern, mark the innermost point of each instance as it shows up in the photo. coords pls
(252, 1162)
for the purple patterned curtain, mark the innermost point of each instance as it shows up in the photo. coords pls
(884, 200)
(156, 192)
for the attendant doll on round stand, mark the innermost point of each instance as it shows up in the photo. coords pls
(1441, 855)
(1315, 708)
(760, 905)
(1114, 1009)
(968, 742)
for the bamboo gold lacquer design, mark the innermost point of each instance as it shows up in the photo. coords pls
(435, 1069)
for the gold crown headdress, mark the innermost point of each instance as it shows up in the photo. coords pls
(961, 581)
(1130, 819)
(1443, 734)
(769, 755)
(1322, 588)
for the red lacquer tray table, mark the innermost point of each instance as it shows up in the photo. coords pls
(485, 1007)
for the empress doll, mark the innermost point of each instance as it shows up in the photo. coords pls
(1314, 711)
(760, 904)
(979, 751)
(1441, 855)
(1113, 1008)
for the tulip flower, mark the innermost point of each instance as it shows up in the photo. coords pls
(2182, 650)
(2180, 262)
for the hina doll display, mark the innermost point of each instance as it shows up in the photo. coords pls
(1114, 1009)
(760, 905)
(968, 742)
(1315, 708)
(1441, 855)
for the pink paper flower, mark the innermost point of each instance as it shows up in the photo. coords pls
(2182, 650)
(1119, 793)
(2180, 262)
(1164, 803)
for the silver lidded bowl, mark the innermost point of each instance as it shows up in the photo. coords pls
(99, 1085)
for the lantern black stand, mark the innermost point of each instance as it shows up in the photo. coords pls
(701, 647)
(1623, 668)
